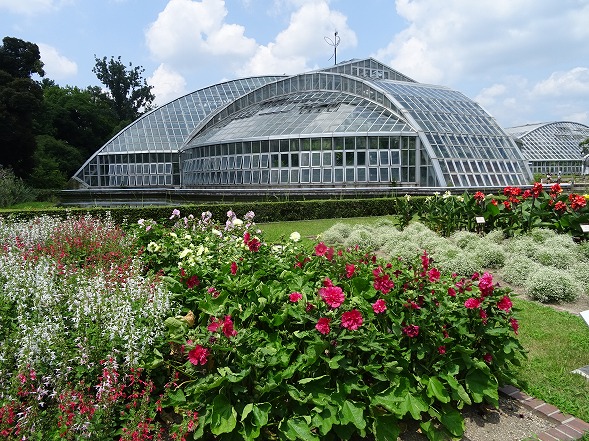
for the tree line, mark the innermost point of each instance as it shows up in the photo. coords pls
(48, 131)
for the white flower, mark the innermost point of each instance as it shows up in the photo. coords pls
(153, 247)
(237, 222)
(447, 194)
(277, 248)
(141, 221)
(185, 252)
(408, 197)
(217, 232)
(295, 236)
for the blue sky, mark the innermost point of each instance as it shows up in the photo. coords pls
(524, 61)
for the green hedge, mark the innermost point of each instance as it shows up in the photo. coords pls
(265, 211)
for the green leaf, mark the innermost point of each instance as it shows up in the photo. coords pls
(481, 385)
(353, 413)
(458, 391)
(297, 429)
(436, 389)
(433, 434)
(309, 380)
(386, 428)
(334, 362)
(453, 421)
(223, 416)
(176, 398)
(325, 420)
(414, 405)
(260, 413)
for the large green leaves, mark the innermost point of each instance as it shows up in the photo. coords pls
(223, 416)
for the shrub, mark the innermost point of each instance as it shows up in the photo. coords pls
(489, 254)
(337, 234)
(552, 285)
(541, 234)
(464, 238)
(282, 343)
(557, 257)
(496, 236)
(13, 190)
(364, 237)
(580, 270)
(464, 264)
(518, 268)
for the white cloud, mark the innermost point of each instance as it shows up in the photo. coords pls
(167, 84)
(572, 82)
(457, 40)
(188, 33)
(32, 7)
(301, 41)
(56, 66)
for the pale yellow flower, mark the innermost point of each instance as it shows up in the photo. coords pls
(295, 236)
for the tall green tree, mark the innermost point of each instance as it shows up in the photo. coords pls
(72, 124)
(131, 95)
(20, 98)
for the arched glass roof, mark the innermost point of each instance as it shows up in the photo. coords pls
(551, 141)
(467, 142)
(163, 130)
(464, 144)
(305, 113)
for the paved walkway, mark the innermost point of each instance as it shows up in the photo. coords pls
(568, 427)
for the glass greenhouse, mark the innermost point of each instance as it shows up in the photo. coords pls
(552, 147)
(356, 124)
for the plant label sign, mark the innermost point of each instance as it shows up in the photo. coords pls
(480, 219)
(585, 315)
(585, 228)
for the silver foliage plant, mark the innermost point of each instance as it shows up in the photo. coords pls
(548, 266)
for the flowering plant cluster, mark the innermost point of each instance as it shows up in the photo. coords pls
(280, 341)
(517, 211)
(78, 318)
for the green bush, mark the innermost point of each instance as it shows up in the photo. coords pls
(518, 268)
(464, 238)
(552, 285)
(489, 254)
(13, 190)
(281, 343)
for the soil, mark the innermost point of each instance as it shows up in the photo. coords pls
(510, 422)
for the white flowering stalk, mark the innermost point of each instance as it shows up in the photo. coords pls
(57, 319)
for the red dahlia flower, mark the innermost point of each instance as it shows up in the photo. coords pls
(352, 320)
(323, 325)
(505, 304)
(198, 355)
(379, 306)
(332, 295)
(411, 331)
(295, 297)
(472, 303)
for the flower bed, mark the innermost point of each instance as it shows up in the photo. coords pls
(276, 341)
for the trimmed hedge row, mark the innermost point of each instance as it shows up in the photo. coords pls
(265, 211)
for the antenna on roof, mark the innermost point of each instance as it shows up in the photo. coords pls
(334, 43)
